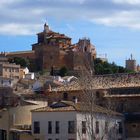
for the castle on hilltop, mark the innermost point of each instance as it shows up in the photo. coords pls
(54, 51)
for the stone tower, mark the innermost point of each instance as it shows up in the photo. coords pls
(130, 64)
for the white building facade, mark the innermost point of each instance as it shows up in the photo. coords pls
(63, 121)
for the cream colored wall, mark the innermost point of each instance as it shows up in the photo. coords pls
(26, 137)
(62, 117)
(5, 122)
(4, 119)
(20, 115)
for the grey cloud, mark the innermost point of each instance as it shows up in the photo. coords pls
(29, 12)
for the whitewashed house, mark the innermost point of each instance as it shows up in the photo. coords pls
(23, 72)
(66, 120)
(30, 75)
(68, 79)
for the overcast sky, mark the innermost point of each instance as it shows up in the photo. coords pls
(112, 25)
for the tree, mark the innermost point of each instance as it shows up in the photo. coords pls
(63, 71)
(20, 61)
(90, 101)
(102, 67)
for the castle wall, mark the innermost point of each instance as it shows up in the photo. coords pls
(51, 57)
(23, 54)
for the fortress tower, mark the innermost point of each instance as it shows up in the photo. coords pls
(50, 49)
(130, 64)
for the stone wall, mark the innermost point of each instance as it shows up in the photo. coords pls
(24, 54)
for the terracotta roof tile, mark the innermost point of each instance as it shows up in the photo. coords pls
(78, 107)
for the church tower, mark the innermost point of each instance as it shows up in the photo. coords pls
(46, 28)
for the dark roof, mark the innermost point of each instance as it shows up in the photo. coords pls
(66, 106)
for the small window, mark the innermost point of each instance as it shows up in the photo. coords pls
(97, 94)
(120, 127)
(97, 127)
(71, 127)
(16, 70)
(49, 127)
(74, 97)
(65, 96)
(36, 127)
(57, 127)
(83, 127)
(106, 127)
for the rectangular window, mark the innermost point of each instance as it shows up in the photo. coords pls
(3, 134)
(36, 127)
(57, 127)
(83, 127)
(120, 127)
(97, 127)
(65, 96)
(16, 70)
(49, 127)
(106, 127)
(71, 127)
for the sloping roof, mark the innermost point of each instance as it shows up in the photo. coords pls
(72, 86)
(20, 130)
(106, 81)
(66, 106)
(53, 34)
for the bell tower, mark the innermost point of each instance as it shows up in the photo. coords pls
(46, 28)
